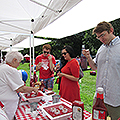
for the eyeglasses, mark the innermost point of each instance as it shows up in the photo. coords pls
(64, 53)
(46, 52)
(102, 35)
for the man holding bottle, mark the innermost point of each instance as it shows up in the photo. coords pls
(107, 64)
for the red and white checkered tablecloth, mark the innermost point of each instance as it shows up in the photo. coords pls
(86, 113)
(21, 112)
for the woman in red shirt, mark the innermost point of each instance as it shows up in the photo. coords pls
(69, 88)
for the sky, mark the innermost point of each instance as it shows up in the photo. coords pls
(85, 15)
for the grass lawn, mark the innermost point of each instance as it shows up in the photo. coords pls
(87, 86)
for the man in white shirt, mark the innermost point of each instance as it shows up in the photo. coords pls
(107, 63)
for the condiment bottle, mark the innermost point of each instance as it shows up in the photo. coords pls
(31, 81)
(83, 60)
(42, 87)
(99, 111)
(77, 110)
(35, 77)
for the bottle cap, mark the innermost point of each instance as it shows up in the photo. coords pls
(83, 46)
(100, 90)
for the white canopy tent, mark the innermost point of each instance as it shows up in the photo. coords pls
(20, 18)
(84, 16)
(25, 43)
(12, 49)
(30, 16)
(10, 39)
(24, 18)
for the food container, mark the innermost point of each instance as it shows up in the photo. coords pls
(32, 97)
(58, 111)
(56, 98)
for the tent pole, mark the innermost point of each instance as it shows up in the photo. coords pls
(10, 47)
(32, 34)
(30, 55)
(1, 56)
(33, 51)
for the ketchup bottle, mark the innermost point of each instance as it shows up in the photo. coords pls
(77, 110)
(99, 111)
(42, 87)
(35, 77)
(33, 80)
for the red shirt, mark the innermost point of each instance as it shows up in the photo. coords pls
(45, 71)
(70, 90)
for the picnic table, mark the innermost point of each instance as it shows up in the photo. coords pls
(23, 111)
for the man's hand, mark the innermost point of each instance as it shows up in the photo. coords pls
(39, 65)
(59, 74)
(26, 89)
(86, 53)
(50, 57)
(35, 90)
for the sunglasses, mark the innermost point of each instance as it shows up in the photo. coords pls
(45, 52)
(64, 53)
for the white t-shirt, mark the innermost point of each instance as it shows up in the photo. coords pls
(10, 81)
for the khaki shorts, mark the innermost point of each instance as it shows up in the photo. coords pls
(114, 112)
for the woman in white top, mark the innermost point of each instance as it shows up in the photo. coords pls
(11, 83)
